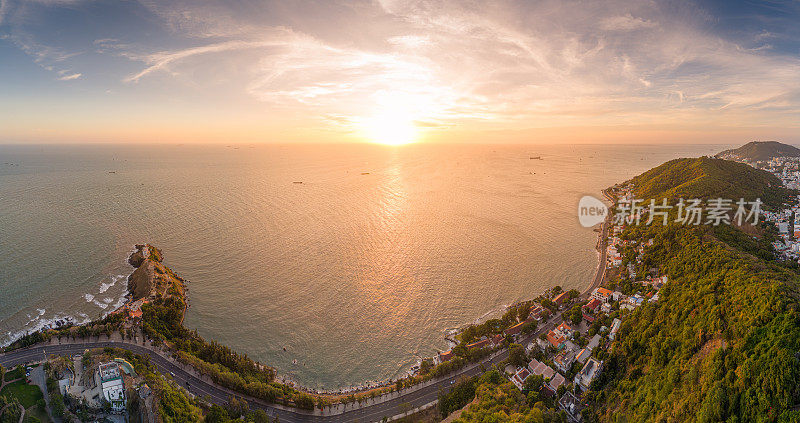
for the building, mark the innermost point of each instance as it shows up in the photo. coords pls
(555, 339)
(601, 294)
(513, 330)
(497, 340)
(589, 310)
(563, 361)
(556, 381)
(571, 405)
(558, 336)
(594, 342)
(445, 356)
(614, 329)
(113, 385)
(583, 355)
(560, 298)
(519, 378)
(541, 369)
(537, 311)
(480, 344)
(588, 373)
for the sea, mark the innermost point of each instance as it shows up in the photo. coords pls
(338, 265)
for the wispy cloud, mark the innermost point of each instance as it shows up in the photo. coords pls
(502, 64)
(69, 76)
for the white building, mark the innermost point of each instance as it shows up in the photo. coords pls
(113, 385)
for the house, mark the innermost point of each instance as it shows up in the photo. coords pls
(513, 330)
(497, 340)
(560, 298)
(480, 344)
(112, 385)
(614, 329)
(588, 373)
(537, 311)
(605, 308)
(601, 294)
(519, 378)
(572, 406)
(555, 382)
(555, 339)
(541, 369)
(446, 356)
(563, 361)
(616, 295)
(590, 310)
(565, 330)
(570, 346)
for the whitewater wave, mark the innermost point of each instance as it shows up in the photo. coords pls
(114, 279)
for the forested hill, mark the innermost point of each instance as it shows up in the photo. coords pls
(722, 343)
(760, 151)
(706, 178)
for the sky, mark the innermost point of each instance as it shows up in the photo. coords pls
(396, 71)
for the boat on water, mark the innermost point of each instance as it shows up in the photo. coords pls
(365, 173)
(536, 157)
(297, 182)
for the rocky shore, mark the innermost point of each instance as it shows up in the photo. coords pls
(151, 278)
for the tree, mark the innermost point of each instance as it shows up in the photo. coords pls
(259, 416)
(425, 367)
(533, 383)
(217, 414)
(516, 355)
(236, 407)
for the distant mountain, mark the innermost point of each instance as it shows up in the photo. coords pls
(758, 151)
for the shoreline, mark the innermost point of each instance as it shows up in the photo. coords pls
(362, 387)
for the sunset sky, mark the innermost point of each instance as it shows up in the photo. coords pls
(397, 71)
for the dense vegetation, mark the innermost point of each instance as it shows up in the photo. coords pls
(761, 151)
(706, 178)
(721, 344)
(497, 400)
(723, 341)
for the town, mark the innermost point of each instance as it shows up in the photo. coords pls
(786, 220)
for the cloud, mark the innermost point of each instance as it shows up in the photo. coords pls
(160, 61)
(69, 76)
(449, 62)
(625, 23)
(5, 6)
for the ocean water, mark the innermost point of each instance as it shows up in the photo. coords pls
(357, 272)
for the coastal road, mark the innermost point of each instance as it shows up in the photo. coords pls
(601, 247)
(395, 404)
(408, 399)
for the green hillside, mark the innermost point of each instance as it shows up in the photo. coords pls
(706, 177)
(760, 151)
(723, 341)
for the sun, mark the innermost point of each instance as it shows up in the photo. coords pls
(390, 128)
(391, 118)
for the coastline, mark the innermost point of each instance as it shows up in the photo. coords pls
(130, 307)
